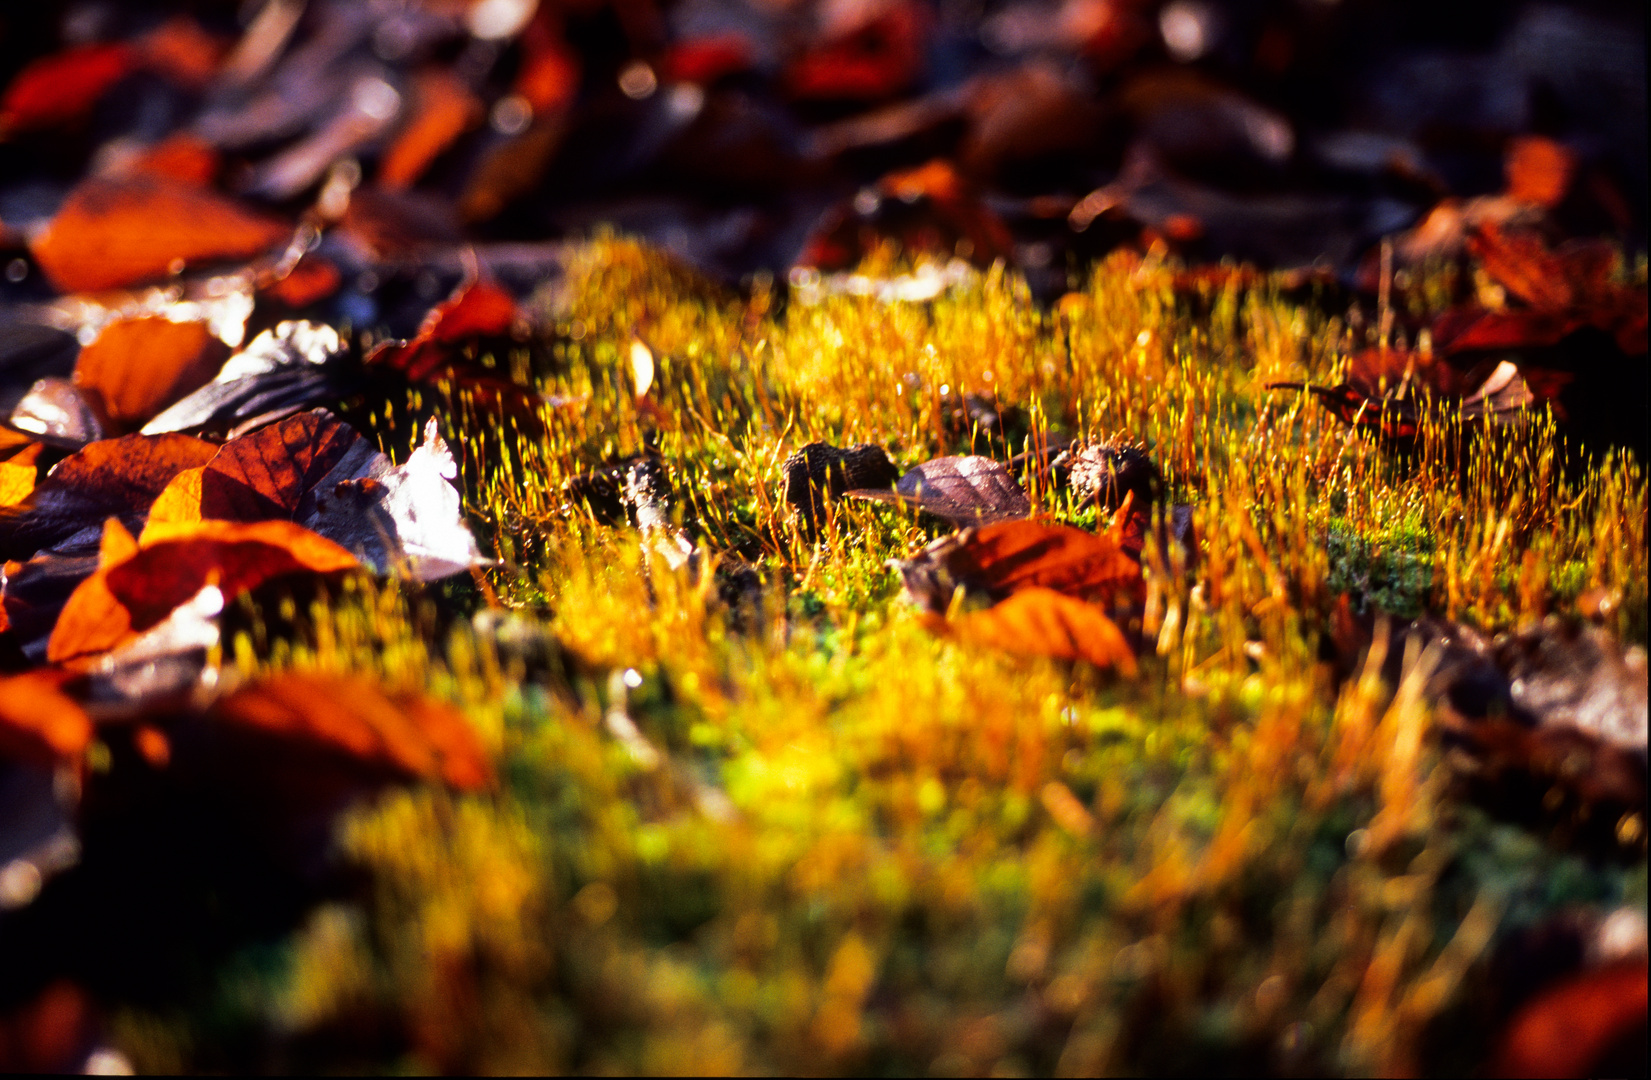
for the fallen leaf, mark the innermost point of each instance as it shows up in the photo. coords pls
(704, 60)
(1539, 170)
(18, 473)
(875, 59)
(1007, 557)
(313, 278)
(115, 477)
(315, 469)
(443, 109)
(1041, 622)
(181, 50)
(171, 565)
(183, 158)
(1569, 1029)
(476, 309)
(962, 490)
(284, 369)
(115, 232)
(408, 733)
(33, 594)
(38, 721)
(62, 89)
(137, 367)
(56, 412)
(275, 472)
(930, 209)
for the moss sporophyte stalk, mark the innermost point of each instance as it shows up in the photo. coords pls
(753, 814)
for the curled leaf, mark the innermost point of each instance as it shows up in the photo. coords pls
(171, 565)
(316, 470)
(1009, 556)
(282, 370)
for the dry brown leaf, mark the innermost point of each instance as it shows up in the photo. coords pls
(962, 490)
(137, 367)
(408, 733)
(1042, 622)
(115, 232)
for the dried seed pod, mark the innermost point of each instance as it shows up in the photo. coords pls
(820, 470)
(1101, 473)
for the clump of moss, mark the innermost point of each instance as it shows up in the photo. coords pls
(1390, 570)
(804, 834)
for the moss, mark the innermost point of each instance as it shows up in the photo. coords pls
(809, 836)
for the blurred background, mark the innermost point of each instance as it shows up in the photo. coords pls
(767, 136)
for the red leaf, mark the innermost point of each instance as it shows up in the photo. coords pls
(119, 477)
(705, 60)
(1569, 1028)
(112, 233)
(182, 157)
(313, 278)
(1539, 170)
(1014, 555)
(61, 89)
(40, 723)
(407, 733)
(476, 309)
(130, 594)
(874, 60)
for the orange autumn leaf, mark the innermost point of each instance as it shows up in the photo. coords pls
(1014, 555)
(315, 277)
(17, 475)
(1042, 622)
(1539, 170)
(63, 88)
(184, 158)
(408, 733)
(118, 477)
(268, 473)
(115, 232)
(170, 565)
(38, 722)
(443, 109)
(183, 51)
(137, 367)
(179, 503)
(476, 309)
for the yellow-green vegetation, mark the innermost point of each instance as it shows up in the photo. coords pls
(807, 835)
